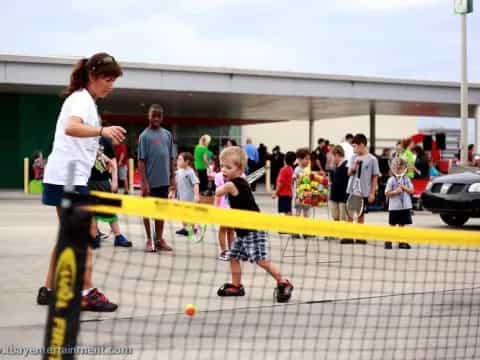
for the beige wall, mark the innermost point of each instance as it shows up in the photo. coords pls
(291, 135)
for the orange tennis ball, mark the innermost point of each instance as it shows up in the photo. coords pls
(190, 310)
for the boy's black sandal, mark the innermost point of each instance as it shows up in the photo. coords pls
(228, 289)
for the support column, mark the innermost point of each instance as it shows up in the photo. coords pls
(174, 132)
(476, 139)
(311, 125)
(464, 97)
(373, 127)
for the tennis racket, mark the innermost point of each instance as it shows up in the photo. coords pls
(399, 168)
(355, 203)
(254, 176)
(196, 233)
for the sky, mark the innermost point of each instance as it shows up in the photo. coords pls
(415, 39)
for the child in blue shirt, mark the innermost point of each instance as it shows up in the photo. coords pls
(398, 192)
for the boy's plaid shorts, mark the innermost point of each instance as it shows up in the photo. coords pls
(251, 247)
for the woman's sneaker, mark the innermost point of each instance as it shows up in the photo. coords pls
(228, 289)
(44, 296)
(403, 245)
(224, 255)
(121, 240)
(96, 301)
(284, 291)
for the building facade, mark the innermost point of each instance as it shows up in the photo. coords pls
(292, 135)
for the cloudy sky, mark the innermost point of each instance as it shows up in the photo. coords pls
(392, 38)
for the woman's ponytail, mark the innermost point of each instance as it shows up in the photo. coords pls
(78, 78)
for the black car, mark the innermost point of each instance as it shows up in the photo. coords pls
(455, 197)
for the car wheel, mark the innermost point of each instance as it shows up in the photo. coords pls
(454, 220)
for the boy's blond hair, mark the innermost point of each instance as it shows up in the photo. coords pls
(397, 165)
(235, 153)
(205, 140)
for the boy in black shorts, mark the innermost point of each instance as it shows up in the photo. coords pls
(249, 245)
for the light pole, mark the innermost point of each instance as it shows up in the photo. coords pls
(464, 7)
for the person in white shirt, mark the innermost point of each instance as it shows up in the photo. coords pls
(77, 139)
(347, 146)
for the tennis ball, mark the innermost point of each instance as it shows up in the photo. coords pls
(190, 310)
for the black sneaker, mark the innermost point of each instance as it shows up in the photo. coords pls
(183, 232)
(388, 245)
(404, 246)
(361, 242)
(95, 243)
(44, 296)
(284, 291)
(346, 241)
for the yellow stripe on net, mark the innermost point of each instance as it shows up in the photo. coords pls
(206, 214)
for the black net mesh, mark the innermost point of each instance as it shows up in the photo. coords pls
(350, 301)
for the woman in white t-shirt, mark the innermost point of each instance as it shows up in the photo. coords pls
(76, 139)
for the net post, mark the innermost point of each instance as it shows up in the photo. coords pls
(63, 319)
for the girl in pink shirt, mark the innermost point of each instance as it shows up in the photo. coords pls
(225, 234)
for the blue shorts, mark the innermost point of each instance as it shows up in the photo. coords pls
(52, 194)
(251, 247)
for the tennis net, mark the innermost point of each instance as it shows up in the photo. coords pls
(356, 301)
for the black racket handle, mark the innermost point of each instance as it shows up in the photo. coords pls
(359, 169)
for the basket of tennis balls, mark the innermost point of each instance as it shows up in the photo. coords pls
(312, 188)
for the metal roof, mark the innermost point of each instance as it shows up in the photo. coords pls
(243, 96)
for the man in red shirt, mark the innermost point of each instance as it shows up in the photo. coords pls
(121, 153)
(284, 186)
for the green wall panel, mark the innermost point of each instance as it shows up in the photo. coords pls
(38, 117)
(28, 124)
(12, 168)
